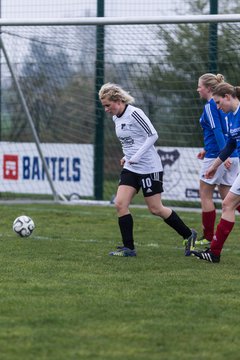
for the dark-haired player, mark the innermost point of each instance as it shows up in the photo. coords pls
(215, 128)
(227, 98)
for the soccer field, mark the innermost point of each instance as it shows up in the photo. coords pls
(63, 297)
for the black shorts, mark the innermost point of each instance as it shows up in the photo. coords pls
(151, 184)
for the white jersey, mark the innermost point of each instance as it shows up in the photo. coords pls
(133, 128)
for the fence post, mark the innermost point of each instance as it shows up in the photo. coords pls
(99, 128)
(213, 39)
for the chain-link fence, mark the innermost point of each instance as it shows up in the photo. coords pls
(57, 70)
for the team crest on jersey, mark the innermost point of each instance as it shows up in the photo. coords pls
(125, 127)
(126, 141)
(171, 173)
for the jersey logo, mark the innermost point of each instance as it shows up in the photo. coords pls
(126, 142)
(148, 191)
(126, 127)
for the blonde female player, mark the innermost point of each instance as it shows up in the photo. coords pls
(142, 168)
(215, 128)
(227, 98)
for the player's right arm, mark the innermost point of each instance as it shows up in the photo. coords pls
(224, 154)
(215, 122)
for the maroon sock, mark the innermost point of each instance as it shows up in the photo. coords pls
(223, 230)
(208, 221)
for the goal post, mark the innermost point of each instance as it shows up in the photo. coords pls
(29, 118)
(55, 137)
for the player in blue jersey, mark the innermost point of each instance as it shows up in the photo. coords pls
(215, 128)
(227, 99)
(142, 168)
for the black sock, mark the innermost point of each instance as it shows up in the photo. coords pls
(178, 225)
(125, 223)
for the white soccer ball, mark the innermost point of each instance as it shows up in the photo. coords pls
(23, 226)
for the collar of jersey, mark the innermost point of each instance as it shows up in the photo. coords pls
(236, 110)
(122, 112)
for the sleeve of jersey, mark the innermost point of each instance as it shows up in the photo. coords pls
(146, 145)
(145, 124)
(229, 148)
(219, 138)
(215, 123)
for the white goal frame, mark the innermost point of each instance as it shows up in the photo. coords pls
(180, 19)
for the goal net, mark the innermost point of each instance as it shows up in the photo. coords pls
(55, 137)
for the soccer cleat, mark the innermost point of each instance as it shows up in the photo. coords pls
(124, 252)
(206, 255)
(202, 241)
(190, 243)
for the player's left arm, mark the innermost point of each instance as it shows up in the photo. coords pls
(150, 140)
(144, 124)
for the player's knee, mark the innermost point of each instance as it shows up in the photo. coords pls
(120, 205)
(117, 205)
(206, 194)
(227, 206)
(155, 210)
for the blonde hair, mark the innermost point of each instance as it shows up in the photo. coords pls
(226, 88)
(114, 92)
(211, 80)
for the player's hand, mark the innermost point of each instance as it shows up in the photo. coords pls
(201, 154)
(227, 163)
(210, 173)
(134, 160)
(122, 161)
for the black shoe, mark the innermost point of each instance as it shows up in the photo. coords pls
(206, 255)
(190, 243)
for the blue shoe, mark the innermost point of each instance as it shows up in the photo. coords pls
(190, 243)
(124, 252)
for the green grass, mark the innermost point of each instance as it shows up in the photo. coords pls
(63, 297)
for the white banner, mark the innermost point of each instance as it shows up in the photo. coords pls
(181, 169)
(70, 167)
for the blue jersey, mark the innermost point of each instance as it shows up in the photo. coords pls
(234, 133)
(215, 130)
(234, 125)
(238, 148)
(226, 131)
